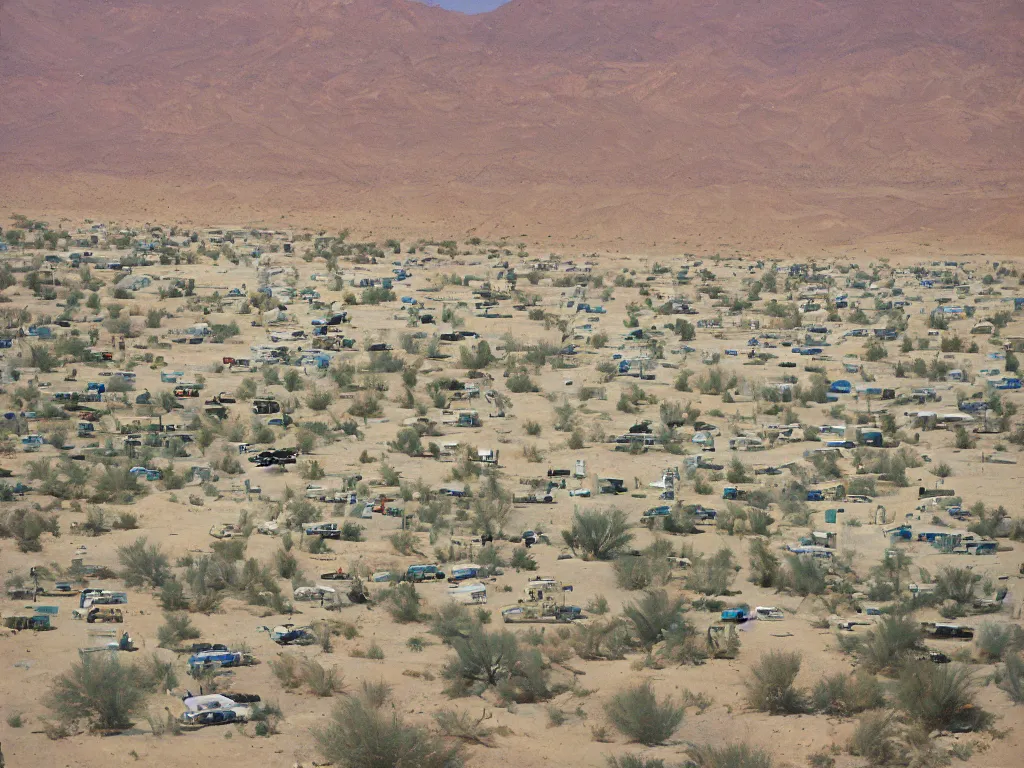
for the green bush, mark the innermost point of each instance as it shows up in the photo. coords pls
(1011, 678)
(522, 560)
(653, 615)
(143, 564)
(712, 575)
(451, 621)
(172, 596)
(494, 659)
(805, 575)
(940, 697)
(403, 603)
(771, 684)
(520, 382)
(890, 642)
(843, 695)
(99, 690)
(728, 756)
(598, 534)
(362, 734)
(176, 629)
(764, 564)
(875, 739)
(638, 714)
(994, 641)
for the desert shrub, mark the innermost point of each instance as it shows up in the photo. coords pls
(404, 542)
(759, 522)
(805, 575)
(231, 550)
(764, 564)
(957, 585)
(653, 615)
(728, 756)
(320, 680)
(351, 532)
(771, 686)
(875, 739)
(143, 564)
(286, 563)
(403, 603)
(494, 659)
(176, 629)
(962, 438)
(633, 761)
(520, 382)
(712, 575)
(522, 560)
(602, 639)
(311, 470)
(598, 534)
(26, 526)
(287, 668)
(156, 674)
(844, 695)
(1011, 678)
(890, 642)
(995, 640)
(366, 405)
(638, 714)
(682, 521)
(940, 697)
(116, 484)
(462, 725)
(407, 441)
(319, 400)
(100, 690)
(125, 521)
(172, 596)
(451, 621)
(565, 417)
(362, 734)
(633, 572)
(737, 472)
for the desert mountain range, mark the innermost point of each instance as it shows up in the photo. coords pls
(646, 121)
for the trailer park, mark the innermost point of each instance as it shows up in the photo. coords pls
(578, 509)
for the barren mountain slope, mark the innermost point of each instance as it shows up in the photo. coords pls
(830, 119)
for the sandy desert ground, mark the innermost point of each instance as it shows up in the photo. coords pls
(745, 315)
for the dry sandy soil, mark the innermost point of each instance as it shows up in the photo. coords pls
(529, 737)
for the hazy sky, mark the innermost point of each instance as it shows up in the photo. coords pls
(467, 6)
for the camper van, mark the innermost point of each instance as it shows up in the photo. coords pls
(469, 594)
